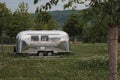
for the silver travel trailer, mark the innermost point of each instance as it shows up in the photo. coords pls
(42, 42)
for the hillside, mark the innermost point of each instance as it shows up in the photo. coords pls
(61, 16)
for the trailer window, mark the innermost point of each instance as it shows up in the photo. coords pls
(44, 38)
(54, 39)
(34, 38)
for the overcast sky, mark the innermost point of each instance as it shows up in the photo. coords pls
(13, 5)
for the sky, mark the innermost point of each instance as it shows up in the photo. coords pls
(13, 5)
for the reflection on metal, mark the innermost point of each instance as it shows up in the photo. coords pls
(34, 41)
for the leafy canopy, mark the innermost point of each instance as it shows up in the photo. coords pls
(21, 20)
(5, 15)
(44, 21)
(72, 25)
(51, 3)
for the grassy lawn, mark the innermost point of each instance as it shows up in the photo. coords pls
(86, 62)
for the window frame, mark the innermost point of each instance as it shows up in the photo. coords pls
(34, 37)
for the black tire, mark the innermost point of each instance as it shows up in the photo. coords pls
(50, 53)
(40, 54)
(14, 50)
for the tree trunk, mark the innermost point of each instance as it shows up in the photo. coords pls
(113, 50)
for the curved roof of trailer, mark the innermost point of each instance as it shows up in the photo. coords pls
(47, 32)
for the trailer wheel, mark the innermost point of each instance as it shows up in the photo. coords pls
(50, 53)
(14, 50)
(40, 54)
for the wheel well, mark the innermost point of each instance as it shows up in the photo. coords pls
(44, 52)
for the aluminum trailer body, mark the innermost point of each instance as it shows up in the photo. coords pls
(33, 42)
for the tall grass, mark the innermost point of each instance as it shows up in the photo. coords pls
(86, 62)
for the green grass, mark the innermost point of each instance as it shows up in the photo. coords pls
(86, 62)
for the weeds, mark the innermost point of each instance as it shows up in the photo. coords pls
(86, 62)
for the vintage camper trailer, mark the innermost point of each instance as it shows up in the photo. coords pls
(42, 42)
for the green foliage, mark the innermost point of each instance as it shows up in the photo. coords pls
(86, 36)
(106, 11)
(93, 29)
(110, 7)
(44, 21)
(47, 6)
(35, 1)
(94, 26)
(51, 3)
(100, 13)
(92, 23)
(21, 20)
(43, 17)
(72, 26)
(5, 21)
(12, 23)
(5, 15)
(99, 32)
(52, 24)
(22, 8)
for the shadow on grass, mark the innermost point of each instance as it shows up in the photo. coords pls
(25, 55)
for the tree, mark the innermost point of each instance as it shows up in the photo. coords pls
(21, 20)
(110, 8)
(43, 17)
(5, 15)
(22, 8)
(72, 26)
(52, 24)
(96, 26)
(44, 21)
(98, 33)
